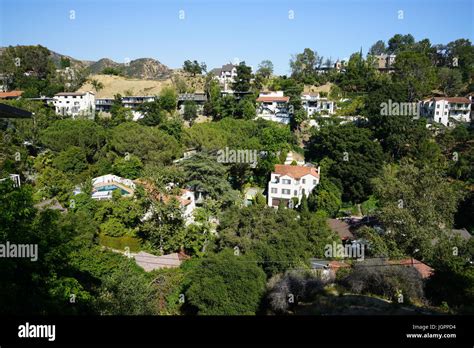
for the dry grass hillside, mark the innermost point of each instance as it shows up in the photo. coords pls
(124, 86)
(131, 86)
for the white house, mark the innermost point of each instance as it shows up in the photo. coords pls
(104, 185)
(314, 103)
(445, 110)
(288, 181)
(273, 106)
(226, 75)
(75, 104)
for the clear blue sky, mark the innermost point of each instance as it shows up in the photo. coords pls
(220, 31)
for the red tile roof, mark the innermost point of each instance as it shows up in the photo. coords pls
(424, 270)
(295, 172)
(462, 100)
(11, 94)
(273, 99)
(342, 228)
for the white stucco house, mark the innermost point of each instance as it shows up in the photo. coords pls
(445, 110)
(289, 181)
(273, 106)
(75, 104)
(313, 103)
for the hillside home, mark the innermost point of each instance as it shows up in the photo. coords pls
(199, 98)
(385, 62)
(225, 75)
(313, 103)
(103, 187)
(446, 111)
(75, 104)
(288, 182)
(273, 106)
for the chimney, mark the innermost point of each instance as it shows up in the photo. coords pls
(319, 170)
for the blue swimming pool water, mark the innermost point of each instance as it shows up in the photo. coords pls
(111, 188)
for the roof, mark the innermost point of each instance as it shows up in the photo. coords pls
(151, 262)
(151, 189)
(227, 67)
(72, 94)
(295, 172)
(11, 94)
(463, 100)
(424, 270)
(8, 111)
(463, 233)
(341, 228)
(273, 99)
(52, 204)
(328, 264)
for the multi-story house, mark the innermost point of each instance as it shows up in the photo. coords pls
(288, 182)
(75, 104)
(273, 106)
(446, 110)
(226, 75)
(385, 62)
(313, 103)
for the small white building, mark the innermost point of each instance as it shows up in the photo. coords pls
(445, 110)
(273, 106)
(75, 104)
(313, 103)
(288, 181)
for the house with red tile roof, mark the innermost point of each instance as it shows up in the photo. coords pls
(288, 183)
(447, 110)
(273, 106)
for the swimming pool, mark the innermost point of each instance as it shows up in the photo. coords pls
(112, 188)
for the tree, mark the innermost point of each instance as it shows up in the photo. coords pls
(242, 81)
(194, 68)
(190, 111)
(450, 81)
(327, 197)
(417, 205)
(72, 160)
(97, 85)
(225, 284)
(149, 144)
(168, 99)
(245, 109)
(128, 167)
(375, 276)
(356, 158)
(378, 48)
(415, 73)
(303, 66)
(265, 69)
(400, 43)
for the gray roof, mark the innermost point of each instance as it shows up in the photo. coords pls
(463, 233)
(192, 96)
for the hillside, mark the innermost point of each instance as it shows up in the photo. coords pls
(124, 86)
(143, 68)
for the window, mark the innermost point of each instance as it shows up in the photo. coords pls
(296, 192)
(437, 106)
(274, 190)
(314, 182)
(286, 181)
(286, 191)
(304, 181)
(437, 112)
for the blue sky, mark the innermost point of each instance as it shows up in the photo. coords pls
(218, 32)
